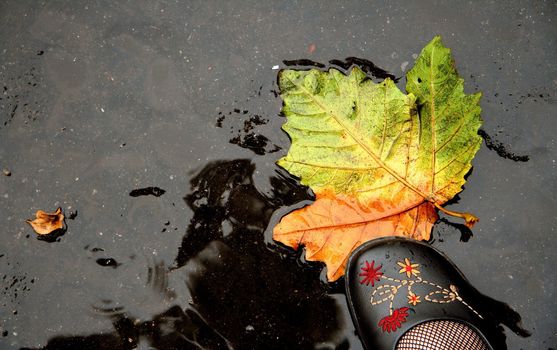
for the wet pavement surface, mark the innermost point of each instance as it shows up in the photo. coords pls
(156, 124)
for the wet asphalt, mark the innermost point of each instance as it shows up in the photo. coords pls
(156, 124)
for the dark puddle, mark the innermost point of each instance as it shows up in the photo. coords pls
(344, 65)
(271, 299)
(255, 142)
(501, 149)
(245, 292)
(246, 129)
(443, 225)
(108, 262)
(173, 329)
(54, 236)
(148, 191)
(72, 215)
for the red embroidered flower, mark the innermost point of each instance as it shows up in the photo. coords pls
(392, 322)
(370, 273)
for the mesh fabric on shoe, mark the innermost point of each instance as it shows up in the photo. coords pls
(441, 335)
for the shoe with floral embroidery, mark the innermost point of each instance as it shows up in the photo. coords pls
(404, 294)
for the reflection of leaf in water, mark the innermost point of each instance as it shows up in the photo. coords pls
(377, 167)
(465, 232)
(223, 195)
(172, 329)
(270, 299)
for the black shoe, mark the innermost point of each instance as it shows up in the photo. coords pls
(394, 285)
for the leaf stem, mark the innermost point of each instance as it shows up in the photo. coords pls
(469, 219)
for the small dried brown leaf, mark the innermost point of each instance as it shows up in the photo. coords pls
(46, 223)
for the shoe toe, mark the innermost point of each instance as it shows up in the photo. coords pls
(394, 284)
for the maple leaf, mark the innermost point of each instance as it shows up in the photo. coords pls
(376, 166)
(45, 223)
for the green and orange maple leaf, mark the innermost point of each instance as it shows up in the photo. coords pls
(379, 161)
